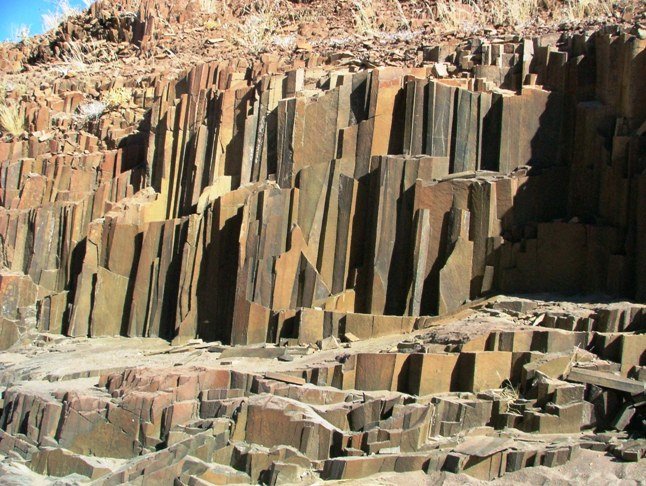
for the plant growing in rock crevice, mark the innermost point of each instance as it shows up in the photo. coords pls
(75, 56)
(11, 120)
(117, 98)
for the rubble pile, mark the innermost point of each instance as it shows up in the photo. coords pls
(325, 238)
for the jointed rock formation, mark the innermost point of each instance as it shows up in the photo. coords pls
(251, 195)
(313, 201)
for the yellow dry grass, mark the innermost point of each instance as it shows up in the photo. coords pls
(11, 120)
(117, 98)
(471, 15)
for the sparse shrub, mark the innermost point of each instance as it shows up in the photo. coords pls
(581, 9)
(62, 11)
(257, 30)
(11, 120)
(376, 17)
(212, 6)
(20, 33)
(467, 16)
(365, 17)
(90, 111)
(458, 15)
(513, 12)
(75, 56)
(117, 98)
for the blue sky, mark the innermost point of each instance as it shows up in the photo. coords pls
(14, 13)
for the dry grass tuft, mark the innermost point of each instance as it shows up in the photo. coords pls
(62, 11)
(366, 21)
(212, 6)
(376, 17)
(78, 56)
(11, 120)
(257, 25)
(257, 29)
(456, 15)
(582, 9)
(508, 394)
(286, 42)
(20, 33)
(117, 98)
(90, 111)
(514, 12)
(75, 56)
(219, 9)
(468, 16)
(404, 23)
(17, 89)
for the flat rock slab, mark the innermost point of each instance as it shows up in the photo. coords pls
(606, 380)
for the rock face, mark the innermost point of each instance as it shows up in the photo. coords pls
(309, 213)
(385, 192)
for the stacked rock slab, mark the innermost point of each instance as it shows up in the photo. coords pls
(364, 414)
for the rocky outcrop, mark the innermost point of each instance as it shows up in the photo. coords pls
(386, 192)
